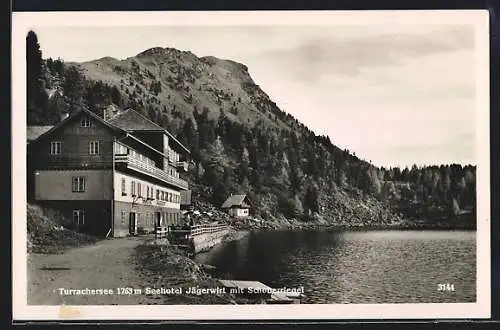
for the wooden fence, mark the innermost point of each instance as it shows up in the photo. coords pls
(204, 229)
(162, 232)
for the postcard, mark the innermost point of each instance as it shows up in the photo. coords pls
(295, 165)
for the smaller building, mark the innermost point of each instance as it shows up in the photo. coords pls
(237, 205)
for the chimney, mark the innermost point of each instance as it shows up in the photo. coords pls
(109, 112)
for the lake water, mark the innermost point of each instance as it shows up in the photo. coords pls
(357, 266)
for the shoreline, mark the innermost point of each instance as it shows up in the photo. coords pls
(159, 262)
(298, 225)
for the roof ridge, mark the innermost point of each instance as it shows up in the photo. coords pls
(146, 118)
(162, 128)
(234, 200)
(149, 121)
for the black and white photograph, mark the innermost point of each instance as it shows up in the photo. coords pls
(251, 165)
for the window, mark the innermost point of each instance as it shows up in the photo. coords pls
(79, 217)
(78, 184)
(85, 121)
(139, 189)
(124, 192)
(147, 192)
(157, 193)
(152, 191)
(55, 148)
(94, 147)
(132, 188)
(124, 216)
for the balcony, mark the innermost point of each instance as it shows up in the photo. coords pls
(137, 165)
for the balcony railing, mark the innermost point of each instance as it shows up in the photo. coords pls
(154, 171)
(198, 229)
(208, 229)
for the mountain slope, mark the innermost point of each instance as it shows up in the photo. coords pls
(180, 82)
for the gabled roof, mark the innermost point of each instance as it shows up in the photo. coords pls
(118, 130)
(74, 115)
(234, 200)
(33, 132)
(132, 121)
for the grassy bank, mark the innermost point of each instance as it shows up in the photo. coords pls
(164, 266)
(46, 233)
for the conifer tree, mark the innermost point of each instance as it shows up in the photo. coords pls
(36, 97)
(74, 89)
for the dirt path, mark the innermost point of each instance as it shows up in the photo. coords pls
(108, 264)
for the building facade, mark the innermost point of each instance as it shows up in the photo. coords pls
(115, 177)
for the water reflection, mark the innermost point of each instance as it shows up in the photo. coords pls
(356, 267)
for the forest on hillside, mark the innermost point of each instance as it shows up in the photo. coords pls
(285, 169)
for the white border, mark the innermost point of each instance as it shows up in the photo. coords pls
(23, 21)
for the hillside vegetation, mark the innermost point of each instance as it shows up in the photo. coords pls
(46, 233)
(242, 142)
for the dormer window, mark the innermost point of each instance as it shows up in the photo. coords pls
(85, 121)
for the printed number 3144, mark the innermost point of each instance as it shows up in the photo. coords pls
(446, 287)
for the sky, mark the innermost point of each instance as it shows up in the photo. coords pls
(394, 95)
